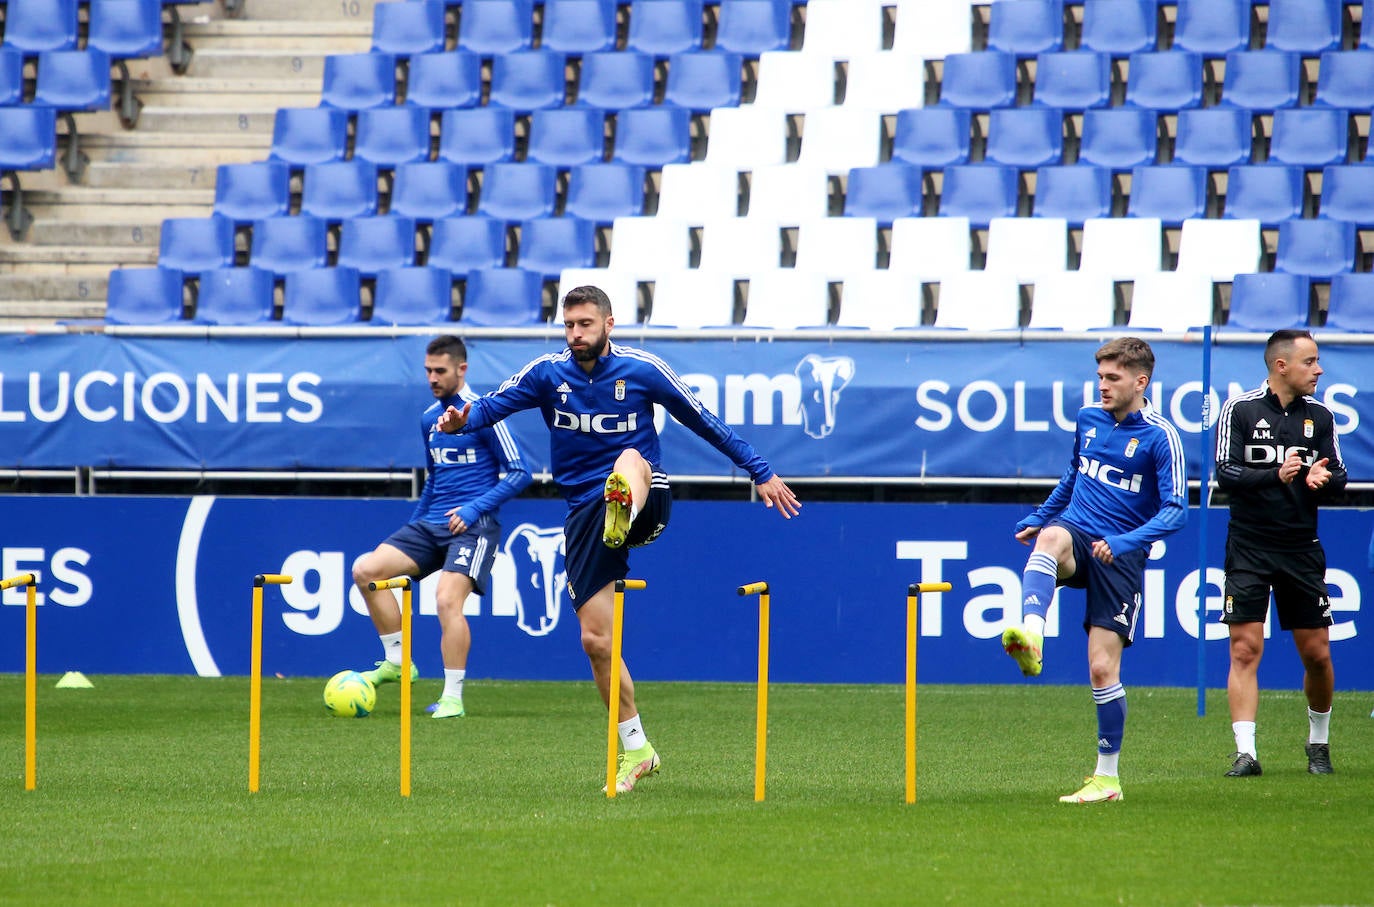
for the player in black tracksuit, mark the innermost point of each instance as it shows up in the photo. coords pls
(1279, 457)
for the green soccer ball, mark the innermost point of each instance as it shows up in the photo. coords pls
(349, 694)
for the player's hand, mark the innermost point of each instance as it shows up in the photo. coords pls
(1027, 535)
(1289, 469)
(1319, 475)
(456, 524)
(1102, 551)
(452, 420)
(776, 494)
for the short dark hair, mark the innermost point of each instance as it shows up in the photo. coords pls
(448, 345)
(594, 295)
(1130, 352)
(1280, 344)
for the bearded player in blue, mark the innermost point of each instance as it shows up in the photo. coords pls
(597, 398)
(1125, 488)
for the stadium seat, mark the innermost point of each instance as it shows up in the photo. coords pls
(35, 26)
(247, 192)
(1025, 137)
(838, 138)
(835, 247)
(1304, 26)
(931, 247)
(1073, 80)
(1170, 301)
(695, 298)
(444, 81)
(126, 29)
(885, 192)
(739, 246)
(567, 136)
(388, 136)
(788, 194)
(502, 297)
(1317, 248)
(462, 244)
(888, 82)
(516, 192)
(1026, 27)
(578, 26)
(698, 192)
(614, 80)
(413, 297)
(528, 80)
(1350, 306)
(1166, 81)
(752, 27)
(288, 243)
(1346, 80)
(495, 27)
(843, 29)
(195, 244)
(477, 136)
(653, 136)
(340, 189)
(602, 192)
(359, 81)
(1073, 301)
(933, 30)
(550, 244)
(880, 301)
(1269, 193)
(1119, 138)
(144, 296)
(1348, 194)
(665, 27)
(11, 76)
(1212, 28)
(785, 299)
(322, 297)
(647, 246)
(1268, 302)
(372, 244)
(1261, 80)
(1171, 194)
(1122, 247)
(1367, 24)
(702, 82)
(1120, 27)
(429, 190)
(28, 141)
(1214, 137)
(1027, 248)
(309, 135)
(795, 82)
(621, 288)
(979, 301)
(408, 28)
(71, 81)
(1310, 137)
(236, 296)
(1075, 193)
(932, 136)
(747, 137)
(1221, 249)
(979, 192)
(979, 81)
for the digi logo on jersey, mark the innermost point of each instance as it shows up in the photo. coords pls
(596, 423)
(453, 456)
(1110, 475)
(1275, 454)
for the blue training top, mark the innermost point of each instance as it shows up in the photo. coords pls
(593, 417)
(1126, 483)
(464, 471)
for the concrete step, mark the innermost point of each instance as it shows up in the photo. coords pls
(48, 311)
(236, 64)
(205, 156)
(85, 288)
(66, 259)
(64, 216)
(126, 233)
(125, 175)
(256, 120)
(351, 36)
(79, 197)
(310, 10)
(227, 93)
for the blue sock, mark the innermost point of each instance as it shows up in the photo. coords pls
(1111, 718)
(1037, 584)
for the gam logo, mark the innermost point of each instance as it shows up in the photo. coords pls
(809, 396)
(540, 579)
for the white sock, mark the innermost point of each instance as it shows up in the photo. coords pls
(1318, 726)
(1106, 764)
(632, 734)
(391, 647)
(453, 681)
(1033, 623)
(1245, 737)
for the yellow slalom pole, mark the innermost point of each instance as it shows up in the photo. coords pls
(30, 582)
(613, 700)
(405, 584)
(255, 678)
(913, 592)
(761, 716)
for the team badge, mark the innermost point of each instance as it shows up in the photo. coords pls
(1307, 428)
(620, 391)
(1131, 446)
(1230, 604)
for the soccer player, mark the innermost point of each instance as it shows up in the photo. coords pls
(453, 528)
(1125, 489)
(1278, 456)
(597, 398)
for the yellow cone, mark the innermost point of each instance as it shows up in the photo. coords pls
(74, 680)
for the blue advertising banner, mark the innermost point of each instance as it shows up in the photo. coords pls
(163, 585)
(912, 408)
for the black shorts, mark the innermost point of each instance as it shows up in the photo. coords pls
(1297, 578)
(590, 564)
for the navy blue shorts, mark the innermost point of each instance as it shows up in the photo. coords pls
(590, 564)
(1113, 590)
(433, 547)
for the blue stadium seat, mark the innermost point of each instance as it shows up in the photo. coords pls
(1318, 248)
(614, 80)
(408, 28)
(195, 244)
(979, 192)
(322, 297)
(1120, 27)
(1119, 138)
(579, 26)
(1310, 137)
(1350, 306)
(126, 29)
(429, 190)
(653, 136)
(11, 76)
(1346, 80)
(462, 244)
(144, 296)
(477, 136)
(1170, 194)
(1348, 194)
(550, 244)
(1214, 137)
(413, 297)
(502, 297)
(1261, 80)
(932, 136)
(1073, 80)
(495, 27)
(289, 243)
(358, 81)
(1304, 26)
(28, 141)
(443, 81)
(1367, 24)
(309, 135)
(1212, 28)
(339, 190)
(885, 192)
(751, 27)
(246, 192)
(1075, 193)
(1164, 81)
(1268, 193)
(567, 136)
(603, 192)
(1026, 137)
(1268, 302)
(515, 192)
(387, 136)
(528, 80)
(665, 27)
(34, 26)
(1026, 27)
(702, 82)
(234, 296)
(979, 81)
(73, 80)
(372, 244)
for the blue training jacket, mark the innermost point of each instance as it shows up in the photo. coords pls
(464, 471)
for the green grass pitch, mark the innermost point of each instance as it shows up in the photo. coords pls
(142, 799)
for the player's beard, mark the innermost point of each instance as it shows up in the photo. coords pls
(592, 351)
